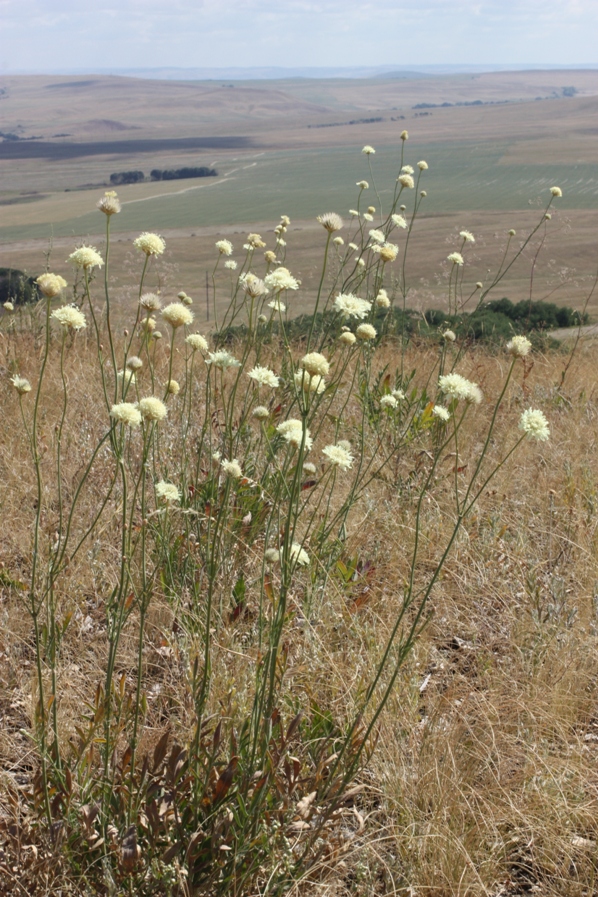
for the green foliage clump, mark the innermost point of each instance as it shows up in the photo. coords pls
(17, 287)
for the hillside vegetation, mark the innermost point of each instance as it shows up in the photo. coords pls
(297, 609)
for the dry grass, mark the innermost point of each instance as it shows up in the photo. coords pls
(484, 778)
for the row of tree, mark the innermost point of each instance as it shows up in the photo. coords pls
(117, 178)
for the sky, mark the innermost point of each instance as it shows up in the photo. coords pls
(75, 35)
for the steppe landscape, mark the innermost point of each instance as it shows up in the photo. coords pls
(298, 591)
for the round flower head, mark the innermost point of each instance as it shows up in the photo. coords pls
(284, 219)
(512, 232)
(272, 555)
(365, 332)
(376, 236)
(253, 286)
(367, 216)
(388, 402)
(534, 424)
(457, 387)
(21, 384)
(298, 555)
(277, 305)
(222, 359)
(361, 263)
(264, 376)
(354, 213)
(404, 135)
(86, 257)
(197, 342)
(314, 363)
(400, 221)
(134, 363)
(260, 412)
(338, 456)
(167, 492)
(363, 185)
(270, 256)
(51, 285)
(467, 236)
(109, 204)
(70, 317)
(232, 468)
(423, 166)
(389, 252)
(423, 193)
(347, 338)
(231, 265)
(479, 285)
(456, 258)
(398, 394)
(519, 346)
(149, 325)
(150, 302)
(338, 241)
(255, 241)
(126, 413)
(224, 247)
(368, 150)
(152, 408)
(151, 244)
(449, 336)
(351, 306)
(292, 431)
(173, 388)
(556, 191)
(177, 315)
(330, 221)
(308, 382)
(185, 299)
(441, 413)
(406, 180)
(382, 300)
(308, 467)
(127, 377)
(8, 305)
(281, 279)
(156, 335)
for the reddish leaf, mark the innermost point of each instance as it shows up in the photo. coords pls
(225, 781)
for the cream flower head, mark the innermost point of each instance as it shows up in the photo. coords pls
(456, 258)
(197, 342)
(519, 346)
(315, 364)
(150, 302)
(224, 247)
(86, 257)
(298, 555)
(368, 150)
(388, 402)
(556, 191)
(330, 221)
(309, 383)
(534, 424)
(351, 306)
(292, 431)
(21, 384)
(51, 285)
(347, 338)
(152, 409)
(126, 413)
(366, 332)
(151, 244)
(177, 315)
(263, 376)
(222, 359)
(338, 456)
(109, 204)
(167, 492)
(70, 317)
(232, 468)
(406, 180)
(281, 279)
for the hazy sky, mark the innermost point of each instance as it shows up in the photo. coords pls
(51, 35)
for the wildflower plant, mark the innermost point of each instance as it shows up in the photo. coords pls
(227, 477)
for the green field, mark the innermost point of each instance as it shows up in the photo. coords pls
(302, 184)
